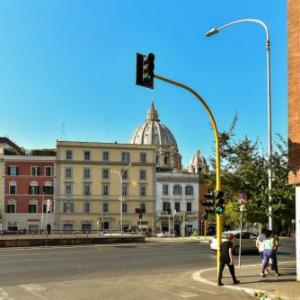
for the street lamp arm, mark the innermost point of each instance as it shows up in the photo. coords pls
(216, 30)
(263, 24)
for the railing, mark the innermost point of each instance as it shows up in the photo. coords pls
(43, 234)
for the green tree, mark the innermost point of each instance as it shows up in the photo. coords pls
(244, 169)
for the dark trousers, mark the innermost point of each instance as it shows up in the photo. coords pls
(231, 270)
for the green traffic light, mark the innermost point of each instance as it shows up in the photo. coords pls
(219, 210)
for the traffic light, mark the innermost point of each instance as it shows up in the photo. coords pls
(219, 198)
(145, 70)
(209, 202)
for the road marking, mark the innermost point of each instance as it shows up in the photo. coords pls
(187, 295)
(4, 295)
(34, 289)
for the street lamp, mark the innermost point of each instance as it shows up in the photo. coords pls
(120, 174)
(214, 31)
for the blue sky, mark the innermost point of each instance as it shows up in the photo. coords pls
(73, 63)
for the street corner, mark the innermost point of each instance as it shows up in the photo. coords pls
(269, 287)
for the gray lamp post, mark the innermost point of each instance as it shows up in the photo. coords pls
(214, 31)
(120, 174)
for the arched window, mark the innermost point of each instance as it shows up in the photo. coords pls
(12, 187)
(177, 190)
(34, 188)
(189, 190)
(48, 188)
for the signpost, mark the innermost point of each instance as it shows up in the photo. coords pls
(242, 200)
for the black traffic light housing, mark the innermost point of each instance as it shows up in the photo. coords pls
(219, 202)
(209, 202)
(145, 70)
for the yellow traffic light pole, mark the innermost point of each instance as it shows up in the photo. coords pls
(218, 164)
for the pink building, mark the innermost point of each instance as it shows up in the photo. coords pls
(28, 182)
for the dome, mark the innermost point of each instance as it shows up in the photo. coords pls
(198, 163)
(153, 132)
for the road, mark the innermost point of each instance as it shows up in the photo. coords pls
(153, 270)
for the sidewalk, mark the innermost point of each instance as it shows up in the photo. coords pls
(270, 287)
(201, 239)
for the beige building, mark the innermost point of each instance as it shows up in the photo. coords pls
(89, 177)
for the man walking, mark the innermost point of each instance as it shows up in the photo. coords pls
(227, 259)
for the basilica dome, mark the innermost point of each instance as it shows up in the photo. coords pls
(153, 132)
(198, 164)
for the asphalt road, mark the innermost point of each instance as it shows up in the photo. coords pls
(154, 270)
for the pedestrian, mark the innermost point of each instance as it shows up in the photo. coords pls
(226, 258)
(269, 249)
(274, 255)
(260, 246)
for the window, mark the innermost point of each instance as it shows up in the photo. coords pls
(48, 189)
(86, 189)
(86, 207)
(177, 190)
(86, 173)
(35, 171)
(166, 160)
(177, 206)
(142, 174)
(68, 172)
(48, 171)
(87, 155)
(124, 208)
(143, 157)
(11, 208)
(13, 171)
(125, 190)
(105, 174)
(69, 154)
(32, 208)
(143, 190)
(189, 206)
(124, 174)
(86, 227)
(68, 207)
(68, 188)
(165, 189)
(126, 156)
(45, 208)
(105, 225)
(143, 207)
(34, 188)
(189, 190)
(166, 207)
(105, 189)
(68, 228)
(105, 156)
(105, 207)
(12, 188)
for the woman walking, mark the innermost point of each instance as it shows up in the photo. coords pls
(270, 247)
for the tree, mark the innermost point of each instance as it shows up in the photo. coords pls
(244, 169)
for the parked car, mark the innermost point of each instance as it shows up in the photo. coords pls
(248, 241)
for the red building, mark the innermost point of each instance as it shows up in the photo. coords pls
(28, 190)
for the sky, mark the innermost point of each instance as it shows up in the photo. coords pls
(67, 70)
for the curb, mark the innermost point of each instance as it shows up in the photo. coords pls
(197, 276)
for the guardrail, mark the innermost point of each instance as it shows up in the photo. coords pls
(53, 234)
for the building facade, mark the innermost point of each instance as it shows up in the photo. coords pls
(177, 203)
(169, 174)
(28, 184)
(93, 178)
(294, 111)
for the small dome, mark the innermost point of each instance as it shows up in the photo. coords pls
(152, 132)
(198, 163)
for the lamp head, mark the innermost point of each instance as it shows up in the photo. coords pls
(211, 32)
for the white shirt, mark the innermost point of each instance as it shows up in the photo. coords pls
(260, 242)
